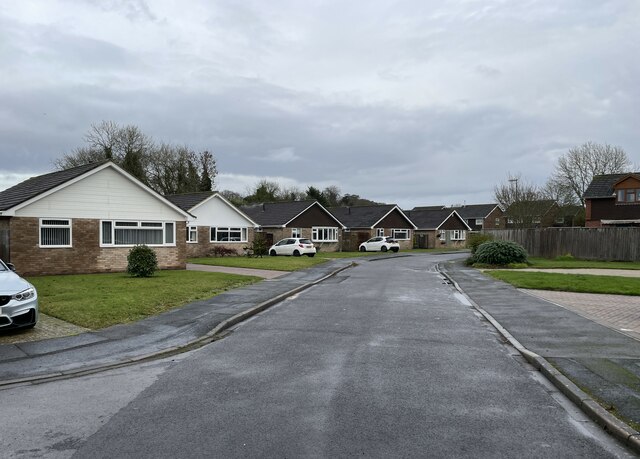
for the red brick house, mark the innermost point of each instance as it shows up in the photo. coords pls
(481, 216)
(613, 200)
(217, 223)
(85, 220)
(364, 222)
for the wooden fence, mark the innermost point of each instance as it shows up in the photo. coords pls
(621, 244)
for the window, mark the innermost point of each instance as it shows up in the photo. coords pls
(458, 235)
(192, 234)
(497, 222)
(443, 235)
(479, 221)
(324, 234)
(127, 233)
(225, 234)
(296, 232)
(55, 232)
(380, 232)
(400, 234)
(628, 195)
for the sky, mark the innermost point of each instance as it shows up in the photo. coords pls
(412, 102)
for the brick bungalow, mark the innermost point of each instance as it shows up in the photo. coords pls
(438, 228)
(85, 220)
(365, 222)
(481, 216)
(218, 223)
(309, 219)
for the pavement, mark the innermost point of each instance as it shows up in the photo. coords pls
(594, 341)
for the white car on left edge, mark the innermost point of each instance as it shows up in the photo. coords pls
(295, 246)
(18, 300)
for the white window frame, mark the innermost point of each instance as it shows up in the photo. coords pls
(379, 232)
(296, 232)
(458, 235)
(407, 231)
(443, 235)
(318, 234)
(244, 231)
(140, 224)
(479, 221)
(192, 230)
(68, 226)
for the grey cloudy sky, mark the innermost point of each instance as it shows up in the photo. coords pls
(415, 102)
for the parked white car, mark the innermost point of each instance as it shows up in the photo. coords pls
(18, 300)
(293, 246)
(380, 244)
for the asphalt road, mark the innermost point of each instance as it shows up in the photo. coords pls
(383, 360)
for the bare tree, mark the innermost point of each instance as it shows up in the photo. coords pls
(521, 201)
(559, 192)
(576, 168)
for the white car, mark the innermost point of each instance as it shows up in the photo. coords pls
(18, 300)
(295, 246)
(380, 244)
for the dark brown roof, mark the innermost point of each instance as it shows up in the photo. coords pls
(35, 186)
(361, 216)
(474, 210)
(188, 201)
(276, 213)
(601, 186)
(430, 219)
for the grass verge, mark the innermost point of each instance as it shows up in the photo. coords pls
(545, 263)
(99, 300)
(266, 262)
(580, 283)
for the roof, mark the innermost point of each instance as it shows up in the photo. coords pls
(601, 186)
(430, 208)
(35, 186)
(430, 219)
(276, 213)
(533, 208)
(363, 216)
(188, 201)
(474, 210)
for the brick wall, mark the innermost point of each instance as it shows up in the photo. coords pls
(86, 255)
(203, 248)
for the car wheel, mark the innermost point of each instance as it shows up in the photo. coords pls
(310, 255)
(383, 248)
(296, 253)
(395, 249)
(273, 253)
(362, 249)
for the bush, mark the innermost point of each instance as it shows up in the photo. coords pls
(475, 239)
(142, 261)
(221, 251)
(500, 253)
(259, 245)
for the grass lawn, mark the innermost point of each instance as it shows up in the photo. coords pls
(100, 300)
(568, 264)
(569, 282)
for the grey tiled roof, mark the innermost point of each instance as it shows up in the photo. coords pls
(361, 216)
(188, 201)
(474, 210)
(35, 186)
(275, 213)
(429, 208)
(601, 186)
(428, 219)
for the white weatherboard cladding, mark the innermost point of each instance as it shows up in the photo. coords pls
(216, 212)
(107, 195)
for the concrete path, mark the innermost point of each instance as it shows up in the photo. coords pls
(264, 273)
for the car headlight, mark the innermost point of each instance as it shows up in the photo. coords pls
(24, 295)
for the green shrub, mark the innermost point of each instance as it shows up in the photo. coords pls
(475, 239)
(259, 245)
(500, 253)
(142, 261)
(221, 251)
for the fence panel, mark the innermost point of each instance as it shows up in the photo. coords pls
(621, 244)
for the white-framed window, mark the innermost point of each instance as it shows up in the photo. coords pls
(497, 221)
(129, 233)
(324, 234)
(227, 234)
(458, 235)
(379, 232)
(192, 234)
(479, 221)
(55, 232)
(400, 234)
(296, 232)
(443, 235)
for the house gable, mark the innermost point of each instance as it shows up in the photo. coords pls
(454, 222)
(218, 212)
(315, 215)
(395, 219)
(106, 193)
